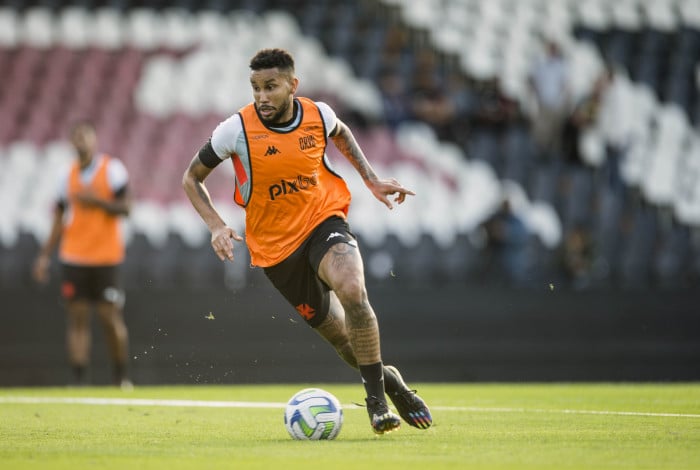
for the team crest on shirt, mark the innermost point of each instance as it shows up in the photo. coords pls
(307, 142)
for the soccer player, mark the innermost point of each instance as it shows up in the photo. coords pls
(93, 195)
(296, 228)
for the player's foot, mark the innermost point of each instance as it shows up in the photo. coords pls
(126, 385)
(383, 420)
(410, 406)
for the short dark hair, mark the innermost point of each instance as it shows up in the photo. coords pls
(271, 58)
(81, 124)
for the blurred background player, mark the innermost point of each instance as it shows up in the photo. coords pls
(296, 225)
(93, 196)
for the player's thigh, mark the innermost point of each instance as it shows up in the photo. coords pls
(342, 269)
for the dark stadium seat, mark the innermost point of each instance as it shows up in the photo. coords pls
(519, 154)
(638, 251)
(578, 200)
(673, 261)
(606, 228)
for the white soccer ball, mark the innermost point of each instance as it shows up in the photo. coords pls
(313, 414)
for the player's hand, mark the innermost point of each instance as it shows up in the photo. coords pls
(89, 198)
(382, 189)
(221, 242)
(40, 271)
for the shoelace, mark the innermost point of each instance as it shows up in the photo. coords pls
(407, 395)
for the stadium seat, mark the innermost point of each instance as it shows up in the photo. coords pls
(9, 27)
(638, 250)
(143, 29)
(686, 199)
(659, 179)
(671, 263)
(37, 28)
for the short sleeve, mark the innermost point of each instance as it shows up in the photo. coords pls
(117, 176)
(62, 187)
(225, 136)
(328, 115)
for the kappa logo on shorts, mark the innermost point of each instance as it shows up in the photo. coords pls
(306, 311)
(333, 235)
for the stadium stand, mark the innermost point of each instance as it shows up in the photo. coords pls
(158, 76)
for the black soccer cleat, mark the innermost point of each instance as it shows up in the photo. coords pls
(382, 420)
(410, 406)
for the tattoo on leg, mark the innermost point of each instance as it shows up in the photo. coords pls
(340, 253)
(333, 330)
(365, 344)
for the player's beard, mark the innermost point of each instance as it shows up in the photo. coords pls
(277, 117)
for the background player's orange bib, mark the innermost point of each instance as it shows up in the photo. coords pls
(91, 236)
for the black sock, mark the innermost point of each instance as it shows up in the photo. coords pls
(392, 384)
(119, 373)
(79, 374)
(373, 380)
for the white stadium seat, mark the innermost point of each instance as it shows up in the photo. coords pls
(107, 29)
(72, 28)
(9, 34)
(660, 177)
(143, 29)
(686, 198)
(37, 28)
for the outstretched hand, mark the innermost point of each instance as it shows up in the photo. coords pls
(221, 242)
(40, 270)
(382, 189)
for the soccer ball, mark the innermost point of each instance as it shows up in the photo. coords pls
(313, 414)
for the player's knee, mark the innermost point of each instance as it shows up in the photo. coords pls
(352, 294)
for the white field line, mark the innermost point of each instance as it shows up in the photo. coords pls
(261, 404)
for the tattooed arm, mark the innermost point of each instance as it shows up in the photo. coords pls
(381, 188)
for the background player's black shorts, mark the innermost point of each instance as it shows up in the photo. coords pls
(297, 276)
(94, 283)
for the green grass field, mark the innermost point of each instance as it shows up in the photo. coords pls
(492, 426)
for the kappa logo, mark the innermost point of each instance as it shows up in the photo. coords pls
(333, 235)
(306, 311)
(271, 150)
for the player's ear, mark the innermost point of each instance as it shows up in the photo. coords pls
(295, 84)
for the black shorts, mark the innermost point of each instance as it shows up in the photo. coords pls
(94, 283)
(297, 276)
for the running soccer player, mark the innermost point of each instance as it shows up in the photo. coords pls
(296, 228)
(93, 196)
